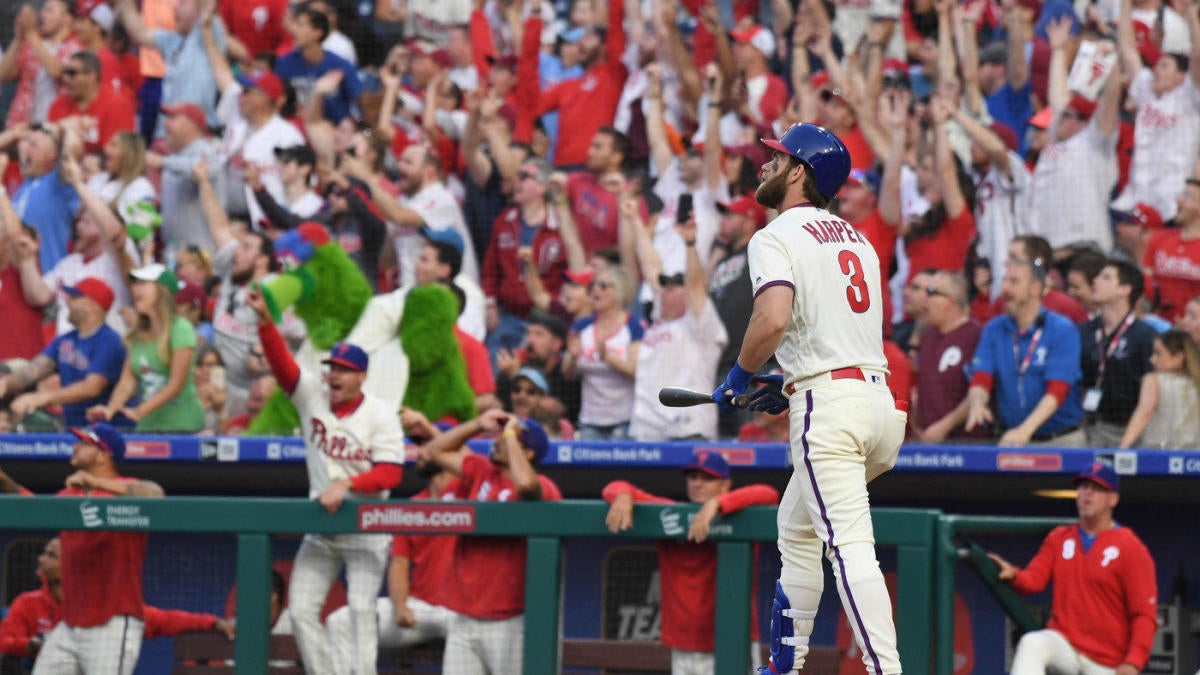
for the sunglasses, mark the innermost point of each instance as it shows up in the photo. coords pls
(71, 72)
(525, 175)
(600, 284)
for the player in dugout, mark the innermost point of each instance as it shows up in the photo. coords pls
(687, 568)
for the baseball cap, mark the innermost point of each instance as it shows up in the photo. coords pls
(266, 81)
(534, 437)
(546, 320)
(348, 355)
(191, 293)
(1101, 474)
(711, 463)
(1042, 118)
(579, 277)
(574, 35)
(1006, 134)
(444, 236)
(189, 110)
(1143, 215)
(422, 48)
(756, 36)
(103, 436)
(745, 206)
(160, 273)
(98, 11)
(301, 154)
(865, 178)
(94, 289)
(534, 376)
(1082, 106)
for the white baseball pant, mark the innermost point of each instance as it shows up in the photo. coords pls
(484, 646)
(684, 662)
(433, 622)
(844, 433)
(108, 649)
(317, 565)
(1043, 651)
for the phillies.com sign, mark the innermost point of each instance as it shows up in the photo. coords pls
(412, 517)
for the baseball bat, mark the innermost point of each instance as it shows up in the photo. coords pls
(682, 397)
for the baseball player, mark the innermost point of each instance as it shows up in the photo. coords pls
(353, 443)
(1104, 612)
(102, 610)
(809, 265)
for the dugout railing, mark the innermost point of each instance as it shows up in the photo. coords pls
(912, 532)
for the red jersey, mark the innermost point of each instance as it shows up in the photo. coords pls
(101, 569)
(258, 24)
(430, 573)
(22, 335)
(1105, 600)
(882, 237)
(123, 73)
(36, 613)
(108, 113)
(687, 571)
(502, 266)
(861, 155)
(595, 210)
(587, 103)
(945, 249)
(489, 572)
(900, 371)
(1174, 262)
(479, 365)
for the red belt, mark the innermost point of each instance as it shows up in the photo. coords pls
(839, 374)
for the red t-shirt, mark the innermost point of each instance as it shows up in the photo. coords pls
(109, 111)
(258, 24)
(900, 371)
(123, 73)
(687, 571)
(942, 381)
(22, 335)
(595, 211)
(1105, 600)
(101, 569)
(1174, 262)
(861, 155)
(479, 366)
(489, 572)
(430, 557)
(882, 238)
(945, 249)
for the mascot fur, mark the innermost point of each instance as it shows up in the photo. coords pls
(408, 334)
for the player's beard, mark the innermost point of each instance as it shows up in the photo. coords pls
(772, 190)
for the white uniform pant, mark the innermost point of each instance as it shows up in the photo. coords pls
(108, 649)
(484, 646)
(844, 433)
(433, 622)
(1047, 651)
(317, 565)
(684, 662)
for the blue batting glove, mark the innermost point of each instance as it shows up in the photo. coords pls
(734, 385)
(769, 398)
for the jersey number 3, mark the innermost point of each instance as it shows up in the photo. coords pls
(856, 292)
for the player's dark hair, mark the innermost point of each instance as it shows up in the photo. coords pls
(1088, 263)
(809, 188)
(620, 142)
(316, 19)
(1129, 275)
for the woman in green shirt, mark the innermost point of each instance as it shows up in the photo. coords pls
(158, 368)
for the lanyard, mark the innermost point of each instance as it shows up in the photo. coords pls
(1023, 362)
(1113, 343)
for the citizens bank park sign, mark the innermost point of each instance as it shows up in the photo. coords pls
(435, 517)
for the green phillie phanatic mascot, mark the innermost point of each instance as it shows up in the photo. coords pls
(408, 334)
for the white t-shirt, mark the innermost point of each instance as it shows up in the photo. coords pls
(74, 268)
(473, 320)
(306, 206)
(253, 146)
(606, 396)
(1071, 185)
(682, 352)
(1001, 206)
(1166, 141)
(113, 190)
(837, 311)
(337, 43)
(439, 210)
(667, 241)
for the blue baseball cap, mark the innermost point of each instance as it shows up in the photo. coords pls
(103, 436)
(533, 375)
(349, 356)
(1101, 474)
(573, 35)
(711, 463)
(444, 236)
(534, 437)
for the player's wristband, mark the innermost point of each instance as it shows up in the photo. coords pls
(739, 377)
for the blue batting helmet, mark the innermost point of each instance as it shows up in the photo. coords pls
(823, 152)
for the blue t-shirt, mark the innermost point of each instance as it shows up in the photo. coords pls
(188, 77)
(293, 69)
(1055, 357)
(49, 204)
(1013, 108)
(102, 353)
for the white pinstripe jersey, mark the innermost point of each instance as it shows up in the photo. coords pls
(837, 309)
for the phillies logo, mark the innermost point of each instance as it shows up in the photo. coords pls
(334, 446)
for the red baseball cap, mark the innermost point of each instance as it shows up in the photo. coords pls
(267, 82)
(1042, 118)
(1143, 215)
(189, 110)
(1082, 106)
(745, 206)
(1007, 135)
(191, 293)
(579, 277)
(94, 289)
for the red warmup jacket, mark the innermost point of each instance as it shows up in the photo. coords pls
(1105, 601)
(687, 572)
(502, 266)
(36, 613)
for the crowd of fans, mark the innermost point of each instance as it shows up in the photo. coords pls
(583, 172)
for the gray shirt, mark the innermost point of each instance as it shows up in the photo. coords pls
(183, 218)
